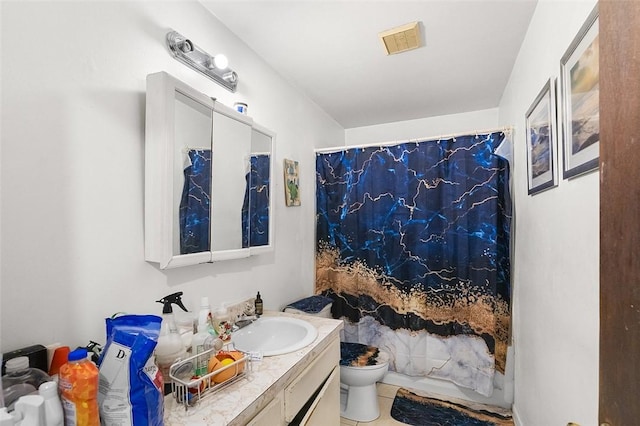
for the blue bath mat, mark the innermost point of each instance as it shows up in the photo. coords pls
(417, 410)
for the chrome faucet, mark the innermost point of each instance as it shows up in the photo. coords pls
(244, 321)
(246, 317)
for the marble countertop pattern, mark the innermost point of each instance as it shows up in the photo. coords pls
(239, 402)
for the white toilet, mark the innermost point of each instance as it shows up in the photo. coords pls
(358, 393)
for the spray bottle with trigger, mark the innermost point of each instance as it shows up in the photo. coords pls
(170, 347)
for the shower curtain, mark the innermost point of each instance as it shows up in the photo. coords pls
(255, 209)
(195, 202)
(413, 248)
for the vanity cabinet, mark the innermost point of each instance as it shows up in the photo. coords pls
(310, 399)
(207, 178)
(315, 389)
(272, 414)
(300, 387)
(325, 406)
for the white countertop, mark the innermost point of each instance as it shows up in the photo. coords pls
(237, 403)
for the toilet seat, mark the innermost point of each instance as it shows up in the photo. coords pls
(361, 367)
(359, 355)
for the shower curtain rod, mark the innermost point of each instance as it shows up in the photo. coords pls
(506, 129)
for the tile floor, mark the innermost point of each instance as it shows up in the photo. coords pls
(386, 393)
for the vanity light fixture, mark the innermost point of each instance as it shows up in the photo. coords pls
(215, 67)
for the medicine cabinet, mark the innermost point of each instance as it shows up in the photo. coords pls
(208, 174)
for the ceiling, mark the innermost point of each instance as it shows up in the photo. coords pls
(331, 51)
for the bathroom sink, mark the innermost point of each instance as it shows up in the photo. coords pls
(274, 336)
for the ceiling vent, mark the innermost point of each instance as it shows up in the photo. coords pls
(401, 39)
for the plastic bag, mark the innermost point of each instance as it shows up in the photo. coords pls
(130, 389)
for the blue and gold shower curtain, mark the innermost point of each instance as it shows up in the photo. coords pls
(195, 203)
(413, 248)
(255, 209)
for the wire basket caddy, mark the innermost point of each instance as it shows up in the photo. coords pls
(188, 390)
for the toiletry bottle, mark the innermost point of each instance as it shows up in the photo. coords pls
(78, 386)
(170, 347)
(258, 304)
(202, 341)
(205, 317)
(53, 414)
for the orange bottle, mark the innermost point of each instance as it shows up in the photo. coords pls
(78, 386)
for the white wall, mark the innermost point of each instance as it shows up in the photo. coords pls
(73, 111)
(431, 127)
(556, 281)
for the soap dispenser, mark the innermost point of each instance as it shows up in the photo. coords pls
(170, 347)
(258, 305)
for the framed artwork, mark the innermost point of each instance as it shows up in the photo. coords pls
(541, 140)
(291, 183)
(579, 73)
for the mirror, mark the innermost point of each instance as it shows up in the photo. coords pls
(207, 178)
(192, 176)
(232, 142)
(257, 196)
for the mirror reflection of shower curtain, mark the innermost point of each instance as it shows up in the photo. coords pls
(195, 207)
(255, 209)
(413, 248)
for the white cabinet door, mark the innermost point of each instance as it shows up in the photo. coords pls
(325, 409)
(272, 414)
(298, 393)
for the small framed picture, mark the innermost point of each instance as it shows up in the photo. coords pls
(579, 74)
(541, 140)
(291, 183)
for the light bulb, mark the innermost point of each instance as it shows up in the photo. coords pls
(186, 46)
(220, 61)
(230, 77)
